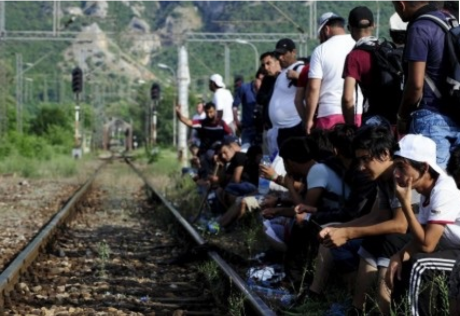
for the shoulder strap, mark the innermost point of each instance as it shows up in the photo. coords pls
(440, 22)
(445, 27)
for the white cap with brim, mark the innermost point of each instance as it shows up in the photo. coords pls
(326, 17)
(419, 148)
(396, 24)
(218, 80)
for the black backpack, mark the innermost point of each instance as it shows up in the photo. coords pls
(384, 96)
(450, 90)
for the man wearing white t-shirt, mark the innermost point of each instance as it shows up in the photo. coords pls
(435, 230)
(282, 109)
(223, 100)
(325, 83)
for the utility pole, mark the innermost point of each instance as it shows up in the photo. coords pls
(19, 95)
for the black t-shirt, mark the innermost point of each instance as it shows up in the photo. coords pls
(238, 160)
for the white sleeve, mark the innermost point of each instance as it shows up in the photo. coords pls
(316, 71)
(445, 206)
(317, 176)
(216, 99)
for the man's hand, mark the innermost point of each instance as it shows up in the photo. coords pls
(404, 193)
(178, 111)
(309, 126)
(334, 237)
(266, 171)
(302, 208)
(394, 270)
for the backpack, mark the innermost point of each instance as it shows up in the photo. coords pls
(384, 96)
(450, 90)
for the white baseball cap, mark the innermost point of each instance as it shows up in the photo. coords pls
(326, 17)
(396, 24)
(419, 148)
(218, 80)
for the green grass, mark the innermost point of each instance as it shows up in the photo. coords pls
(56, 167)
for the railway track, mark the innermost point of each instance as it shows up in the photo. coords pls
(109, 252)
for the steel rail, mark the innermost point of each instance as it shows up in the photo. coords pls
(11, 274)
(255, 301)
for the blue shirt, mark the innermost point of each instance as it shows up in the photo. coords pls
(246, 96)
(425, 42)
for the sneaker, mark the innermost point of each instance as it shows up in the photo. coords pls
(213, 227)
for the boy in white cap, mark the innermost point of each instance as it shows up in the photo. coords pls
(435, 231)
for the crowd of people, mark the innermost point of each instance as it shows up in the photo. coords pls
(364, 160)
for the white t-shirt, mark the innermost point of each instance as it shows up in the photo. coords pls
(327, 62)
(282, 110)
(321, 176)
(443, 208)
(223, 100)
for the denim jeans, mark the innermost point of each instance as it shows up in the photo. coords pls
(440, 128)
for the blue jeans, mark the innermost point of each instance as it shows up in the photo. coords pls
(440, 128)
(346, 257)
(248, 136)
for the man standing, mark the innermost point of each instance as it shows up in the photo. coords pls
(422, 110)
(358, 66)
(246, 96)
(325, 83)
(223, 100)
(282, 110)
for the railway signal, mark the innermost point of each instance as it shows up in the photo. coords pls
(77, 80)
(155, 91)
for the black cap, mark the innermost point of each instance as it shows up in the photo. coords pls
(230, 139)
(284, 45)
(360, 17)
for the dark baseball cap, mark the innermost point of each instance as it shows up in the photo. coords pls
(284, 45)
(361, 17)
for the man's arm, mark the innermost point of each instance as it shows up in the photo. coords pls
(311, 101)
(299, 102)
(182, 118)
(412, 93)
(348, 100)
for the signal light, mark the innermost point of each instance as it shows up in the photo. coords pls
(155, 91)
(77, 80)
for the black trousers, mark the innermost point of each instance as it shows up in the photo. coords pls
(422, 281)
(285, 133)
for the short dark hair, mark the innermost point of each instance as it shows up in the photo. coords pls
(209, 105)
(336, 22)
(419, 166)
(296, 149)
(377, 140)
(320, 144)
(269, 54)
(260, 71)
(341, 137)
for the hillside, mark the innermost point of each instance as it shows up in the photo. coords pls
(138, 34)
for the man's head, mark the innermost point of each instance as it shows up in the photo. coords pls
(406, 9)
(341, 138)
(210, 110)
(200, 107)
(258, 78)
(330, 24)
(216, 82)
(296, 153)
(374, 147)
(397, 29)
(270, 63)
(360, 22)
(285, 49)
(416, 159)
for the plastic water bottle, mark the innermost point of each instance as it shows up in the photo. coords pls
(264, 184)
